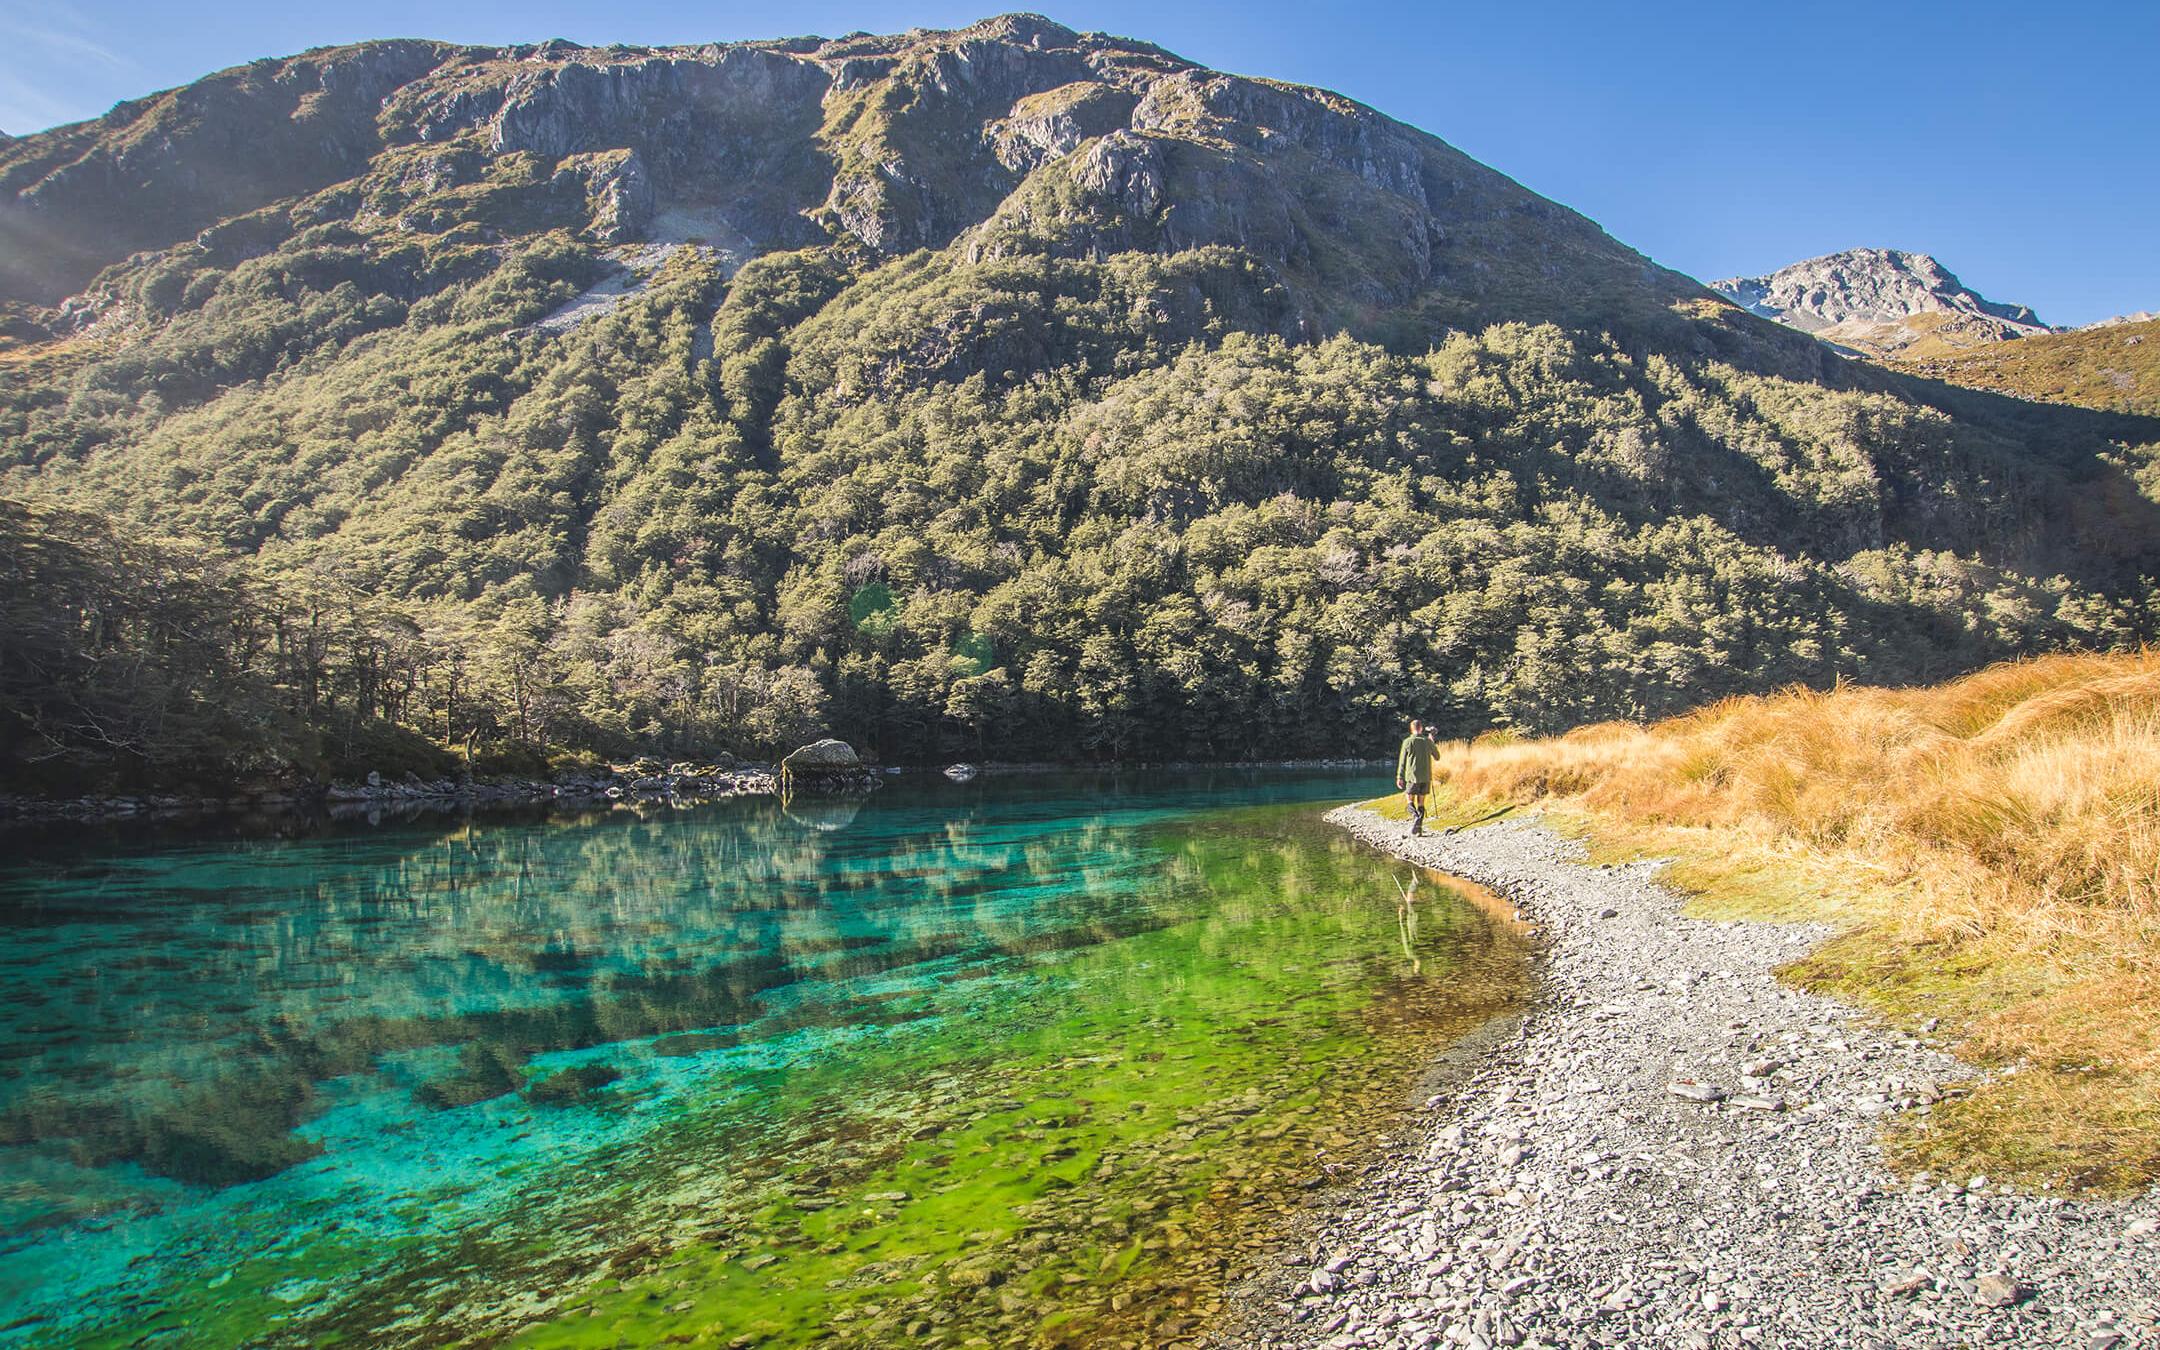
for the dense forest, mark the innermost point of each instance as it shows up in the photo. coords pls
(366, 485)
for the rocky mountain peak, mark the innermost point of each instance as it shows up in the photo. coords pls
(2118, 320)
(1880, 301)
(1026, 30)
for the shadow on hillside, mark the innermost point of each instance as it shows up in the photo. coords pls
(1963, 401)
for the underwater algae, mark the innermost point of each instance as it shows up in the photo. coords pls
(1052, 1063)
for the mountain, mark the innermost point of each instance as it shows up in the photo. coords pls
(1014, 137)
(1880, 302)
(2112, 365)
(1908, 309)
(1006, 391)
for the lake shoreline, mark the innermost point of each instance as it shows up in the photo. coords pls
(1573, 1189)
(620, 785)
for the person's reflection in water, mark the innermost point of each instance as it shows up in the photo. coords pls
(1406, 922)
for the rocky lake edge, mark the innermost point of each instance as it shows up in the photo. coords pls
(409, 792)
(647, 782)
(1673, 1147)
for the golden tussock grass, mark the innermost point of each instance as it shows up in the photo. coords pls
(1990, 847)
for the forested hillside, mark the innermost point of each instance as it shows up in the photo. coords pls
(1006, 392)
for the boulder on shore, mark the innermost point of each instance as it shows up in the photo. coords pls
(822, 759)
(826, 766)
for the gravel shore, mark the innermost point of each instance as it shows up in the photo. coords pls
(1566, 1188)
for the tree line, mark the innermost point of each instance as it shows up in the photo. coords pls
(1079, 509)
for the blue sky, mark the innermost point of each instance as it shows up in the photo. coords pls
(2019, 143)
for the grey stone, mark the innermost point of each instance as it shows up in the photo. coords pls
(1909, 1285)
(1999, 1291)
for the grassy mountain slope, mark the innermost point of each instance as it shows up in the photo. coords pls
(1001, 391)
(2116, 368)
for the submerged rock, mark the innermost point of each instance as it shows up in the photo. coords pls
(571, 1085)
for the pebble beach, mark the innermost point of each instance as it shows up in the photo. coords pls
(1673, 1148)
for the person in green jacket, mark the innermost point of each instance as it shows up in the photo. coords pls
(1413, 772)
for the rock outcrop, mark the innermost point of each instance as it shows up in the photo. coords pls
(613, 190)
(1043, 127)
(1880, 302)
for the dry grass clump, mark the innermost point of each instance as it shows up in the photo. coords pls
(1993, 846)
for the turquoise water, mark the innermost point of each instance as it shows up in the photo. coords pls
(1040, 1060)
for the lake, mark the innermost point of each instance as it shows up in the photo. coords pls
(1032, 1060)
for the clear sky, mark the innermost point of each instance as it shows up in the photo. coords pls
(2018, 142)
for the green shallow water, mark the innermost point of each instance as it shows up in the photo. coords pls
(1036, 1061)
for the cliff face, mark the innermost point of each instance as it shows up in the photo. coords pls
(1880, 302)
(1016, 136)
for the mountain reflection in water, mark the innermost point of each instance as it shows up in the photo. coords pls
(983, 1060)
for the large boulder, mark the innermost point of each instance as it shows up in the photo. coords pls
(822, 759)
(825, 766)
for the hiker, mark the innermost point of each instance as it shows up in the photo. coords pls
(1413, 772)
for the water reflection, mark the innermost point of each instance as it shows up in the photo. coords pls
(1406, 922)
(981, 1059)
(826, 814)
